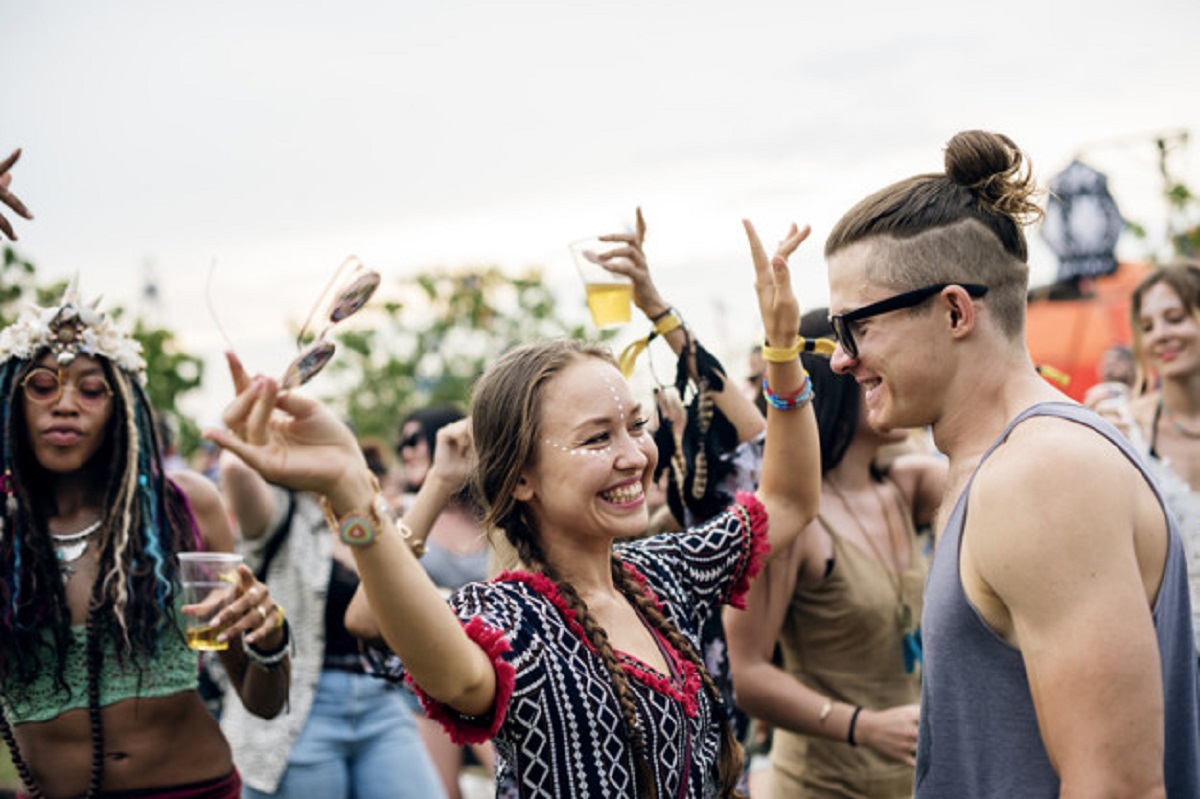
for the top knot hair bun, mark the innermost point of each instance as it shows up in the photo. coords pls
(992, 167)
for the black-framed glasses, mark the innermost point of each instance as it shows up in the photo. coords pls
(357, 284)
(411, 440)
(843, 323)
(44, 385)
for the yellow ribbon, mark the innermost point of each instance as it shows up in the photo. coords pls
(1054, 375)
(628, 357)
(820, 346)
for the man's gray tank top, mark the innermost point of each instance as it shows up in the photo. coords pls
(979, 736)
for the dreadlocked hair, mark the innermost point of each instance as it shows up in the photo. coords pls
(146, 522)
(95, 716)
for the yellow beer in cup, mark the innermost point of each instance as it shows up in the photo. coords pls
(209, 579)
(609, 295)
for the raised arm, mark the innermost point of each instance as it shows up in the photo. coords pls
(248, 494)
(630, 260)
(296, 441)
(790, 488)
(447, 475)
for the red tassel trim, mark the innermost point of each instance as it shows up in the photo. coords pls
(688, 692)
(546, 587)
(464, 729)
(758, 549)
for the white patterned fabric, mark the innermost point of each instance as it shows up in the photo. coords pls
(557, 725)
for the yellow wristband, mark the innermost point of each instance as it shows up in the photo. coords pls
(663, 325)
(668, 323)
(820, 346)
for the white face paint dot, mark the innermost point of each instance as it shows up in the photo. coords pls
(612, 388)
(576, 450)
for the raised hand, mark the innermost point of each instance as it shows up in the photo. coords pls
(773, 283)
(8, 198)
(630, 261)
(454, 455)
(288, 438)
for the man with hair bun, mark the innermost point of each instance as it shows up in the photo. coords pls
(1059, 656)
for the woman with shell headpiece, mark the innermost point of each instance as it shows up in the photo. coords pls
(97, 685)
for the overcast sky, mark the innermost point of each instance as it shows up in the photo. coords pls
(278, 137)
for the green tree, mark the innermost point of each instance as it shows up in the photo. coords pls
(432, 336)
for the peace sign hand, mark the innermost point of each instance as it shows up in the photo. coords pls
(773, 283)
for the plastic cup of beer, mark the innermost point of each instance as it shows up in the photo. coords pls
(209, 579)
(609, 295)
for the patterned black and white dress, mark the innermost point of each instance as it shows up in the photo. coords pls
(557, 724)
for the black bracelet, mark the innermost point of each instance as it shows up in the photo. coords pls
(853, 720)
(658, 317)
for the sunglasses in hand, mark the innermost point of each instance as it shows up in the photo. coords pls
(355, 284)
(347, 292)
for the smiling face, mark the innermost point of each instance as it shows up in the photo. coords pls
(896, 365)
(67, 430)
(593, 459)
(1169, 335)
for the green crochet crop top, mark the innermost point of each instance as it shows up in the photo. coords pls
(173, 670)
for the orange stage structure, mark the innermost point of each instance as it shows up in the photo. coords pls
(1071, 335)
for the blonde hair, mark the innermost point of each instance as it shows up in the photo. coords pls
(1182, 277)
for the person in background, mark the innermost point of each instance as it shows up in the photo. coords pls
(347, 735)
(8, 198)
(456, 552)
(843, 604)
(582, 666)
(1056, 612)
(418, 439)
(1117, 365)
(709, 450)
(98, 688)
(1162, 419)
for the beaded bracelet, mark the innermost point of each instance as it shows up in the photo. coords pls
(269, 660)
(821, 346)
(789, 402)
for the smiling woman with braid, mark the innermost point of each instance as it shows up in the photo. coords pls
(98, 690)
(581, 665)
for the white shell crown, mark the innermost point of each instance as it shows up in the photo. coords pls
(70, 329)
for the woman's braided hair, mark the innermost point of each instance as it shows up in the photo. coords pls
(506, 409)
